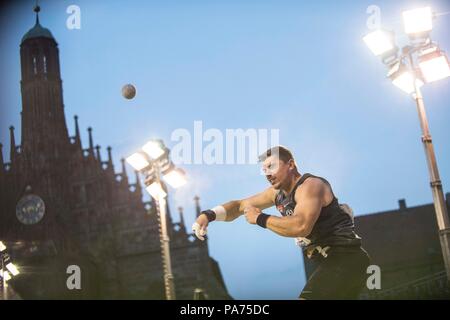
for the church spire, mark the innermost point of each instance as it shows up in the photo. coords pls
(138, 183)
(37, 9)
(182, 224)
(99, 156)
(37, 31)
(12, 152)
(77, 130)
(91, 142)
(124, 170)
(110, 163)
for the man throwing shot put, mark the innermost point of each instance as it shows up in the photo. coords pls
(310, 213)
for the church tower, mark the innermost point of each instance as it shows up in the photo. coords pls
(44, 131)
(37, 178)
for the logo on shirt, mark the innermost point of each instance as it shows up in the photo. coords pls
(285, 211)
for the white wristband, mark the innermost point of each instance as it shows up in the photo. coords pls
(221, 213)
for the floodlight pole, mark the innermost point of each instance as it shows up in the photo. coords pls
(435, 181)
(154, 165)
(169, 283)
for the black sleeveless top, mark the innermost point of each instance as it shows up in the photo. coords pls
(334, 227)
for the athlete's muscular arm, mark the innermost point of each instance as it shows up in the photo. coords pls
(310, 199)
(261, 201)
(235, 208)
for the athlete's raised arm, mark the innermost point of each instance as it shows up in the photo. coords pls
(231, 210)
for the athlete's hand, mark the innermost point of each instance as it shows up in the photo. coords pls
(251, 214)
(200, 226)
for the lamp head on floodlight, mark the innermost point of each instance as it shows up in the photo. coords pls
(381, 42)
(138, 161)
(175, 178)
(156, 190)
(418, 22)
(403, 78)
(2, 246)
(155, 149)
(12, 269)
(5, 274)
(153, 161)
(434, 64)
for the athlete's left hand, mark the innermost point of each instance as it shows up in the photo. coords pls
(251, 214)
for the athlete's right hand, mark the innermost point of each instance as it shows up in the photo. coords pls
(200, 226)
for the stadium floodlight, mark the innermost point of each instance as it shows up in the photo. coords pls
(419, 61)
(154, 164)
(2, 246)
(154, 149)
(5, 275)
(380, 42)
(12, 269)
(156, 190)
(175, 178)
(402, 78)
(138, 161)
(434, 65)
(418, 21)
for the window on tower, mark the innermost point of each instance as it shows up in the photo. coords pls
(34, 65)
(45, 64)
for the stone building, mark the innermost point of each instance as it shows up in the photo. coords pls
(63, 205)
(405, 244)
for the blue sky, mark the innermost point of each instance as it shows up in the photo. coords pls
(297, 66)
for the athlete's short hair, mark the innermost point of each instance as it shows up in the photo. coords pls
(283, 153)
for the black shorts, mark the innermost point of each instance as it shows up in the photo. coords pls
(341, 275)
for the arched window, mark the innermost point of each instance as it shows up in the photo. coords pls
(34, 65)
(45, 64)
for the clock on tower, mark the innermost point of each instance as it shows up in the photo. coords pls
(30, 209)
